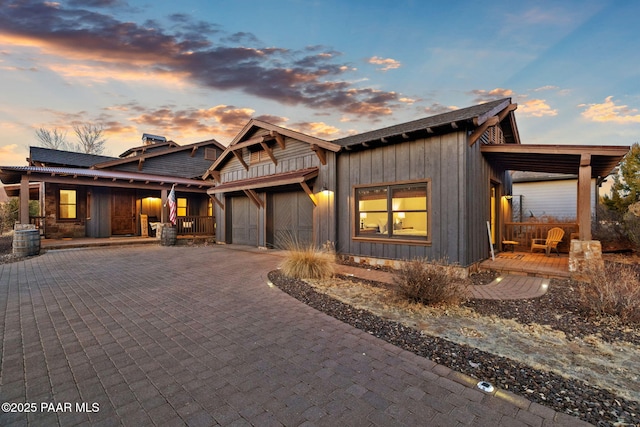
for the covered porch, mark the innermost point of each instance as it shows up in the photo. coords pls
(587, 162)
(106, 203)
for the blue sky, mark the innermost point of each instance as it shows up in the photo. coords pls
(195, 69)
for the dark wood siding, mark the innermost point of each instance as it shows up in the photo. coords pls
(460, 180)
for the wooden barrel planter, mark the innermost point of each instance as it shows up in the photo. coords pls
(26, 242)
(169, 235)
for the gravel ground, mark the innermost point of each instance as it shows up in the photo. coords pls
(597, 406)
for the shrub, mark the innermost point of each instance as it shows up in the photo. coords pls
(613, 290)
(305, 261)
(430, 282)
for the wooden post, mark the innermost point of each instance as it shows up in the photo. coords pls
(584, 197)
(24, 199)
(163, 212)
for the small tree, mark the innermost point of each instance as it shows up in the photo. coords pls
(9, 214)
(90, 138)
(53, 138)
(626, 185)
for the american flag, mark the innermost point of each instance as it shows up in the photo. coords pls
(173, 216)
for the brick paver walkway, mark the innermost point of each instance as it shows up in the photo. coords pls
(193, 336)
(509, 286)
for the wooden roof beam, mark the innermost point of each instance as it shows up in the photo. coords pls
(506, 111)
(240, 159)
(249, 142)
(140, 163)
(218, 202)
(253, 196)
(477, 133)
(193, 151)
(279, 138)
(269, 152)
(307, 190)
(216, 176)
(320, 152)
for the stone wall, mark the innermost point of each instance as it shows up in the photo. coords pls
(58, 229)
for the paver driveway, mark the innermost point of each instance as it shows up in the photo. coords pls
(193, 335)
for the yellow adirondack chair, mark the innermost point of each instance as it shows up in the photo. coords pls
(554, 236)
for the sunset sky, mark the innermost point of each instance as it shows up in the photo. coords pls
(197, 69)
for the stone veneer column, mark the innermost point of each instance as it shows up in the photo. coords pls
(584, 254)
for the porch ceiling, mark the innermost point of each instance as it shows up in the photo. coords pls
(554, 158)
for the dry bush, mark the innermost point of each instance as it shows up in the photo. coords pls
(431, 282)
(305, 261)
(613, 290)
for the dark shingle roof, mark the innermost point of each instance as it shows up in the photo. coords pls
(51, 157)
(187, 161)
(456, 116)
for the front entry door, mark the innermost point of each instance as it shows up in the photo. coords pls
(123, 212)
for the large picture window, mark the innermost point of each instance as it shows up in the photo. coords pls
(68, 204)
(393, 211)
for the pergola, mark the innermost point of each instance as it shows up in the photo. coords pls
(583, 160)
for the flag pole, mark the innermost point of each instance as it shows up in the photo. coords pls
(167, 201)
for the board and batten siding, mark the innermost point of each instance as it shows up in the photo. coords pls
(295, 156)
(422, 159)
(460, 180)
(479, 178)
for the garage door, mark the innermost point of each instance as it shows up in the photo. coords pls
(292, 219)
(244, 222)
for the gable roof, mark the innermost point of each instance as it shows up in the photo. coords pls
(255, 124)
(441, 123)
(40, 156)
(268, 132)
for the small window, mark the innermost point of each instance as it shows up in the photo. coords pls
(258, 157)
(395, 211)
(67, 207)
(181, 206)
(210, 207)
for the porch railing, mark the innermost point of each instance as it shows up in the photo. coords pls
(195, 226)
(524, 232)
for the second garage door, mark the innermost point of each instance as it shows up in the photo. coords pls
(292, 219)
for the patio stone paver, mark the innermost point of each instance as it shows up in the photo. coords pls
(151, 335)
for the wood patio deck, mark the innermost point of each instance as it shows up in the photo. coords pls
(529, 264)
